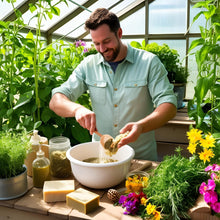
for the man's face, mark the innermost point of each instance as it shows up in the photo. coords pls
(106, 42)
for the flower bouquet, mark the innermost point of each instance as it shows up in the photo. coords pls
(211, 189)
(135, 201)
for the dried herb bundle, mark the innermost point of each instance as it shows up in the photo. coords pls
(174, 185)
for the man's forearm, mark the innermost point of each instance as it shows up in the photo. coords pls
(62, 106)
(158, 117)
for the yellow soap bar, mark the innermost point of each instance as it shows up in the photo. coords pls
(56, 190)
(82, 200)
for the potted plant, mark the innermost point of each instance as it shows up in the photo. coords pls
(13, 172)
(177, 74)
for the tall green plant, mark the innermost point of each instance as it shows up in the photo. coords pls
(205, 106)
(34, 71)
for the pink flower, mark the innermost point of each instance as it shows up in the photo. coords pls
(209, 187)
(214, 167)
(211, 197)
(216, 207)
(214, 176)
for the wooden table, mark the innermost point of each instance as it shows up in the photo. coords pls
(32, 207)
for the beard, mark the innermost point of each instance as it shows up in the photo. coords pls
(111, 54)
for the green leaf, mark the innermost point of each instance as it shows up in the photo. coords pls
(32, 7)
(216, 90)
(46, 114)
(55, 10)
(135, 44)
(79, 133)
(24, 99)
(37, 124)
(196, 43)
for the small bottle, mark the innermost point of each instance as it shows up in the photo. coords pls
(36, 140)
(40, 169)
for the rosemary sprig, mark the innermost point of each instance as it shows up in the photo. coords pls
(174, 185)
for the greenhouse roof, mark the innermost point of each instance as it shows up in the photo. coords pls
(72, 15)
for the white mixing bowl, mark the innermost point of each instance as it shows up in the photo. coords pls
(99, 175)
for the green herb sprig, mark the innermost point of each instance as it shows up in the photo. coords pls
(13, 149)
(174, 185)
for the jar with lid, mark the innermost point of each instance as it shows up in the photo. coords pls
(40, 169)
(59, 163)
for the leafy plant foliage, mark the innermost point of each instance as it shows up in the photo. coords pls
(13, 149)
(170, 59)
(204, 109)
(30, 69)
(174, 185)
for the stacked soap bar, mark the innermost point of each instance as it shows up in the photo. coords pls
(56, 190)
(82, 200)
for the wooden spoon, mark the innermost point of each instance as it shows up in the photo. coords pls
(109, 143)
(105, 140)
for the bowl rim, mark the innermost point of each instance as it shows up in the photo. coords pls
(82, 163)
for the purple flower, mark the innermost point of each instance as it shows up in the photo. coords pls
(132, 207)
(211, 197)
(216, 207)
(122, 199)
(80, 43)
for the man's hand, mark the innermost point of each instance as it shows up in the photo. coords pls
(86, 119)
(135, 130)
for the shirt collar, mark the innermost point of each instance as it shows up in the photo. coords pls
(129, 57)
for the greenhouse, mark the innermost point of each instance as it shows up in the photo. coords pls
(110, 109)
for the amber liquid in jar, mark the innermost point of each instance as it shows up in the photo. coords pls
(40, 170)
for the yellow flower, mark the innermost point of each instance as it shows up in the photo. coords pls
(208, 142)
(144, 201)
(194, 135)
(150, 209)
(136, 183)
(157, 216)
(192, 147)
(206, 155)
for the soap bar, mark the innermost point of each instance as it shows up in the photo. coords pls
(82, 200)
(56, 190)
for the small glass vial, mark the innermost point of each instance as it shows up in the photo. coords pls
(59, 163)
(40, 169)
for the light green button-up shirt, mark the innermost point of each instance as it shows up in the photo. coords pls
(139, 84)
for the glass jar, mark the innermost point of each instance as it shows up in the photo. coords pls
(59, 163)
(40, 169)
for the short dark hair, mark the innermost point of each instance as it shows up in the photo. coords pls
(103, 16)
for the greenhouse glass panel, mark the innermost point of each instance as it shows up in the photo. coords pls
(75, 27)
(199, 22)
(6, 7)
(179, 45)
(192, 67)
(47, 23)
(167, 17)
(135, 23)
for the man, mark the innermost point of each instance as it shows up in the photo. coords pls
(129, 89)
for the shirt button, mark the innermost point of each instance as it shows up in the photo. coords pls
(110, 72)
(115, 125)
(115, 89)
(115, 105)
(135, 84)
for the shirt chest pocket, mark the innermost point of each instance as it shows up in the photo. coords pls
(97, 90)
(136, 89)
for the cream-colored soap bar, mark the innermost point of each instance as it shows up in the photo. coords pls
(82, 200)
(56, 190)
